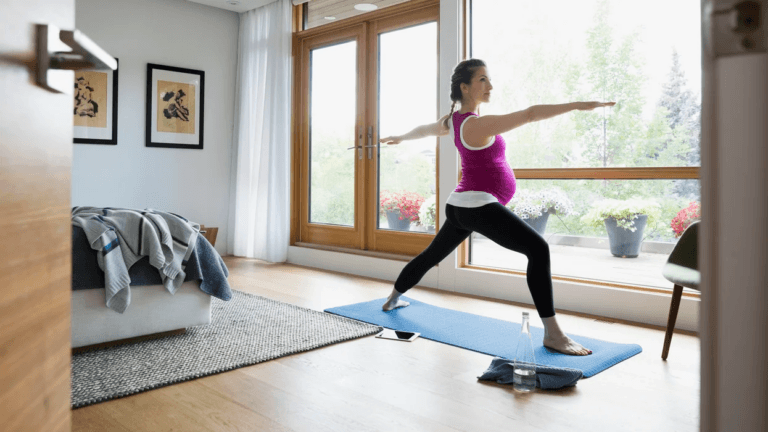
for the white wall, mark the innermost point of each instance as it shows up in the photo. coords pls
(192, 183)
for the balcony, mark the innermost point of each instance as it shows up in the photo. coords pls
(587, 258)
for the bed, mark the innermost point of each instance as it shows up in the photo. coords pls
(152, 309)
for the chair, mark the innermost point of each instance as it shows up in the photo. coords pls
(681, 269)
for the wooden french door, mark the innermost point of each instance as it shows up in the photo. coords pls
(356, 83)
(332, 111)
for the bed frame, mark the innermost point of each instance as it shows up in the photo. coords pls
(152, 310)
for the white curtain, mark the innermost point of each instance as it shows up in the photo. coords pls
(262, 134)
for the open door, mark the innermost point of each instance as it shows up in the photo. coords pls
(35, 247)
(733, 247)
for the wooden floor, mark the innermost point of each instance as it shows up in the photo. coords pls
(371, 384)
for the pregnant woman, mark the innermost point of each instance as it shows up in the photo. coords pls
(487, 184)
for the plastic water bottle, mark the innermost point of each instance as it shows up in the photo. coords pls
(524, 378)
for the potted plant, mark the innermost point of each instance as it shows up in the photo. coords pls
(625, 221)
(401, 208)
(534, 207)
(685, 217)
(428, 212)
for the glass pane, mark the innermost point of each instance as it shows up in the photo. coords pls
(584, 250)
(407, 98)
(320, 12)
(332, 98)
(561, 51)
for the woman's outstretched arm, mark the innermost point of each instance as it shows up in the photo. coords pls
(432, 129)
(477, 131)
(542, 112)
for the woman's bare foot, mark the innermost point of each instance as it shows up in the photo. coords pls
(566, 345)
(557, 340)
(394, 302)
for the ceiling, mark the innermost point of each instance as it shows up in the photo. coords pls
(244, 6)
(317, 10)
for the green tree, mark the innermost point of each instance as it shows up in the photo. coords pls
(609, 136)
(684, 115)
(619, 136)
(524, 74)
(683, 108)
(331, 180)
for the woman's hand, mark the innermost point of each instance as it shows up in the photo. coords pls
(589, 106)
(391, 140)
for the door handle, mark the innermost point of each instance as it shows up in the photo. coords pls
(370, 141)
(59, 51)
(361, 146)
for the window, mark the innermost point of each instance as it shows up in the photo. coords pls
(321, 12)
(644, 151)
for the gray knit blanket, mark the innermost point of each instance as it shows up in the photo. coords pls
(122, 237)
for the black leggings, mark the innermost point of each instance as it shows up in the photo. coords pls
(502, 226)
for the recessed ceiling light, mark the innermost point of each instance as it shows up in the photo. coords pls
(233, 2)
(330, 18)
(366, 7)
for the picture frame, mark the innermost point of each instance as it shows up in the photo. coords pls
(95, 106)
(175, 107)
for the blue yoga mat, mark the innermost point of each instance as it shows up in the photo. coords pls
(485, 335)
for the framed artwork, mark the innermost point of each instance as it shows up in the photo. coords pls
(175, 107)
(95, 107)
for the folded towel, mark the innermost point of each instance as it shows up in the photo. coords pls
(547, 377)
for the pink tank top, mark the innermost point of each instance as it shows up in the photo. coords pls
(484, 170)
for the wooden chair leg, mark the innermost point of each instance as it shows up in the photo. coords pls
(677, 294)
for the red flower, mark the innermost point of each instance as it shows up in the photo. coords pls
(685, 217)
(407, 203)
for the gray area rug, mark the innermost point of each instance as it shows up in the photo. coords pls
(246, 330)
